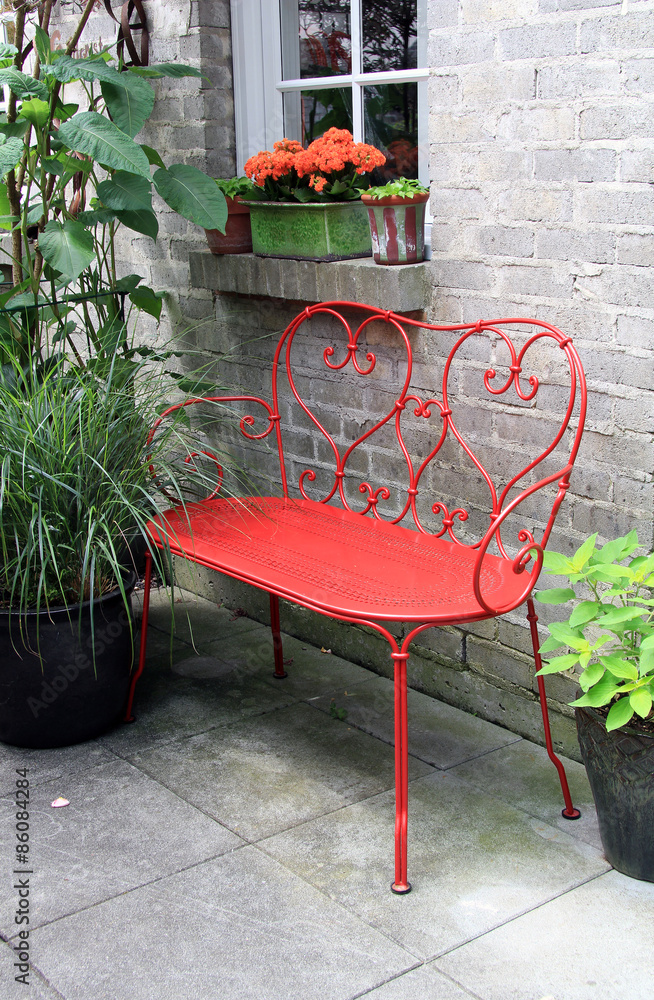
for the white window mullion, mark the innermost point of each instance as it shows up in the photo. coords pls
(357, 66)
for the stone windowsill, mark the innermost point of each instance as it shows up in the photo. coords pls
(403, 288)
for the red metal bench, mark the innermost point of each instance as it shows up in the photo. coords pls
(324, 554)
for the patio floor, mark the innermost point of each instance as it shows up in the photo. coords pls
(236, 843)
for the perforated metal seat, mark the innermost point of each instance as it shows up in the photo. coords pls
(338, 562)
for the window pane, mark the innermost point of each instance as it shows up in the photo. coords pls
(389, 34)
(325, 47)
(390, 113)
(309, 114)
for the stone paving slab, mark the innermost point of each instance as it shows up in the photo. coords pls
(593, 943)
(523, 775)
(35, 989)
(241, 927)
(474, 862)
(424, 983)
(168, 706)
(47, 765)
(266, 774)
(310, 673)
(197, 620)
(438, 734)
(120, 830)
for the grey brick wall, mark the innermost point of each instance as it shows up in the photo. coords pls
(541, 140)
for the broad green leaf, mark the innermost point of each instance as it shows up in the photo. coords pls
(559, 663)
(129, 106)
(67, 247)
(35, 111)
(23, 86)
(153, 157)
(591, 675)
(646, 665)
(641, 702)
(148, 300)
(6, 50)
(557, 564)
(11, 151)
(141, 221)
(128, 283)
(42, 44)
(608, 572)
(562, 631)
(600, 694)
(165, 69)
(15, 130)
(53, 165)
(66, 69)
(193, 195)
(618, 616)
(99, 216)
(93, 134)
(620, 667)
(584, 612)
(65, 111)
(126, 191)
(5, 209)
(73, 165)
(583, 553)
(648, 643)
(619, 714)
(550, 644)
(557, 595)
(617, 549)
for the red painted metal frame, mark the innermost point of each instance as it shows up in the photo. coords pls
(184, 529)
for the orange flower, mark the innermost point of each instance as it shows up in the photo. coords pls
(334, 156)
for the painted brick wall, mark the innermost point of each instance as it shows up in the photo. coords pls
(542, 157)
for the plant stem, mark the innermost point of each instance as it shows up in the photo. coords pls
(13, 189)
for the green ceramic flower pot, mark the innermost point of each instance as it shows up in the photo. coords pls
(327, 231)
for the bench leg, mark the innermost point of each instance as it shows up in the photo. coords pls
(401, 885)
(277, 638)
(128, 717)
(570, 812)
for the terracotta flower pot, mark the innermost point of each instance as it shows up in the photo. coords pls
(237, 237)
(397, 228)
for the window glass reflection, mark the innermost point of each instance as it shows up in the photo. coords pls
(325, 47)
(389, 34)
(309, 114)
(391, 124)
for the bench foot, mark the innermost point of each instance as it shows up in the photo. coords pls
(400, 888)
(280, 673)
(570, 811)
(129, 716)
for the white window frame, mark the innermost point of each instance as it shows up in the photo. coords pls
(259, 87)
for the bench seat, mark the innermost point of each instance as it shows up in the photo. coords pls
(337, 562)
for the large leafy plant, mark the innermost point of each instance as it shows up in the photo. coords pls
(610, 631)
(74, 174)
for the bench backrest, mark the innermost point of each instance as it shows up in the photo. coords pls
(452, 475)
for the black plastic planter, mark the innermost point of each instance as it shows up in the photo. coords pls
(69, 695)
(620, 767)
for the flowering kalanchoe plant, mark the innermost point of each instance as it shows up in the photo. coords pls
(332, 168)
(617, 658)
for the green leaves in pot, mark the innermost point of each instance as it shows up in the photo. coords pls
(609, 633)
